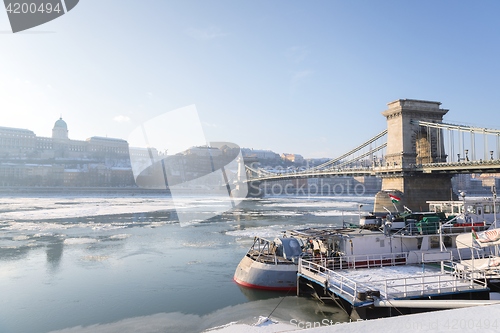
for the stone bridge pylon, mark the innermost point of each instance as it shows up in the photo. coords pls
(410, 145)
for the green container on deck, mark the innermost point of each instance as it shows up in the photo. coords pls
(428, 225)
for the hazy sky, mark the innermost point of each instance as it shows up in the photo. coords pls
(307, 77)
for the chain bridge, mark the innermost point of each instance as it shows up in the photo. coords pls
(416, 156)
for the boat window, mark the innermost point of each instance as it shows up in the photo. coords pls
(434, 240)
(447, 241)
(488, 209)
(456, 209)
(471, 209)
(295, 248)
(290, 247)
(432, 207)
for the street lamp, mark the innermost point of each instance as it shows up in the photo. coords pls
(462, 194)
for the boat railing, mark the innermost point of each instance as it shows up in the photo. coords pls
(457, 229)
(450, 222)
(261, 251)
(453, 226)
(362, 260)
(265, 251)
(449, 280)
(433, 228)
(429, 228)
(403, 231)
(489, 266)
(340, 284)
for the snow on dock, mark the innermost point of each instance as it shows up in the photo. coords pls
(389, 282)
(366, 293)
(482, 319)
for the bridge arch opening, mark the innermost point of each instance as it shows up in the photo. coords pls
(422, 143)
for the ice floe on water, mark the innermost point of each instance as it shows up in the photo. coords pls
(264, 232)
(78, 241)
(270, 232)
(95, 258)
(48, 216)
(335, 213)
(119, 236)
(20, 238)
(319, 202)
(155, 224)
(58, 208)
(37, 226)
(47, 234)
(203, 244)
(270, 213)
(44, 228)
(81, 210)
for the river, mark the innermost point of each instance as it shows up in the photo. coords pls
(102, 263)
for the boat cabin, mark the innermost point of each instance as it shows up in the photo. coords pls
(474, 210)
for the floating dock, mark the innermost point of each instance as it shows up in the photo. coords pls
(385, 287)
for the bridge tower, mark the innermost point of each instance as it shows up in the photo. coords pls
(408, 145)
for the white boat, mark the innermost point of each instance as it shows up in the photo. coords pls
(270, 265)
(408, 238)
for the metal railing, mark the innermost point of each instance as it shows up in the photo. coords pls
(451, 281)
(362, 260)
(264, 251)
(448, 280)
(340, 284)
(489, 266)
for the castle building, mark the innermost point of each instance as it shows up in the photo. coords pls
(30, 160)
(18, 143)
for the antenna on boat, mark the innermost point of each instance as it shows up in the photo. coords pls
(395, 207)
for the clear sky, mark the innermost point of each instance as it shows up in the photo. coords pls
(307, 77)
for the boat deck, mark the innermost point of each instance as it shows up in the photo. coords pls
(268, 258)
(490, 266)
(358, 286)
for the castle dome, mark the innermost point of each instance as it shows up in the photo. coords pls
(60, 130)
(60, 124)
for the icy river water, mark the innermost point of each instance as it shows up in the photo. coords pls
(125, 264)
